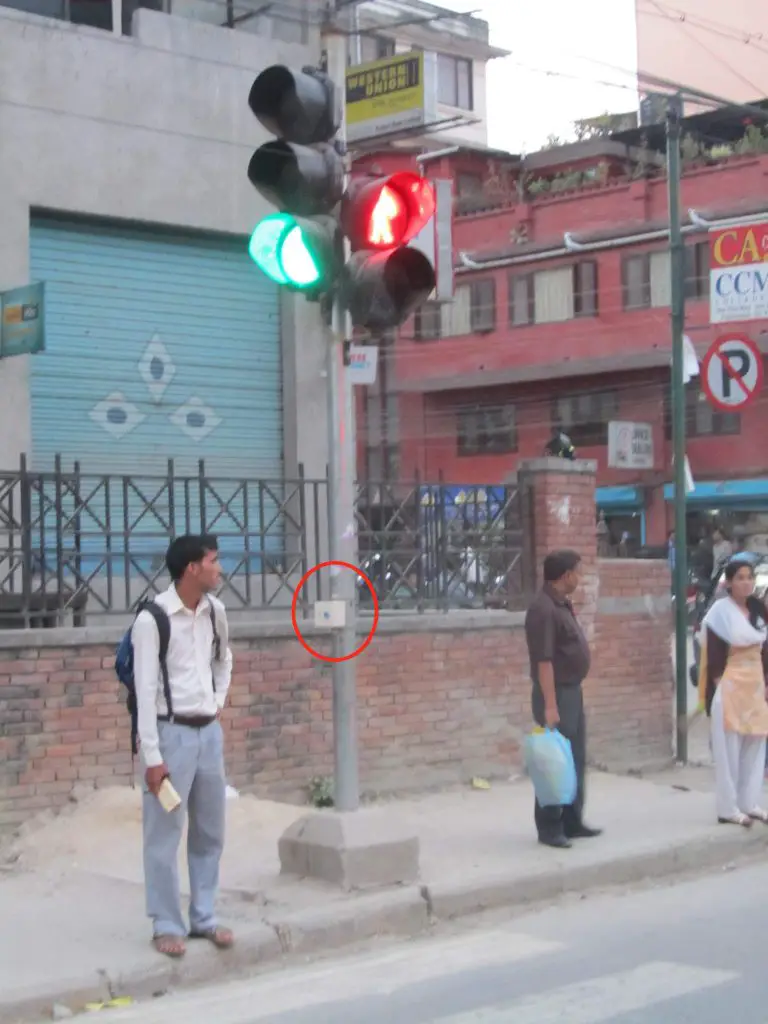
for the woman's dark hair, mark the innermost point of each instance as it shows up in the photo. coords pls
(756, 608)
(187, 550)
(735, 565)
(558, 563)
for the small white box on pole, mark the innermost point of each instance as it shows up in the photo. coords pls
(330, 614)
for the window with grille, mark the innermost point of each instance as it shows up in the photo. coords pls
(473, 309)
(469, 186)
(487, 430)
(701, 417)
(454, 81)
(522, 307)
(372, 48)
(553, 295)
(646, 280)
(483, 304)
(636, 281)
(585, 417)
(585, 288)
(697, 271)
(427, 322)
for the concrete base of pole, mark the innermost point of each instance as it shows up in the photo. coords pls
(365, 849)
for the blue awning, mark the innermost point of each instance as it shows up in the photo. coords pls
(751, 493)
(608, 498)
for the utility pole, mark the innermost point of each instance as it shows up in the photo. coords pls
(341, 244)
(677, 302)
(342, 528)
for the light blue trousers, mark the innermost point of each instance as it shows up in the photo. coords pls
(195, 760)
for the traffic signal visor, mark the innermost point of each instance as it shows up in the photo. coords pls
(294, 252)
(388, 212)
(298, 106)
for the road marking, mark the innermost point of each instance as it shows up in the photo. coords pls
(370, 974)
(600, 999)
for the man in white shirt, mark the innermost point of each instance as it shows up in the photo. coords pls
(184, 743)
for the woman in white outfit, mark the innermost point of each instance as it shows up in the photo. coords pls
(733, 681)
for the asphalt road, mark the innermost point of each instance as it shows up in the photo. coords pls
(690, 954)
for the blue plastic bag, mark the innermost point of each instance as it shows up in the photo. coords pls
(549, 763)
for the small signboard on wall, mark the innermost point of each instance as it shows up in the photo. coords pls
(630, 445)
(22, 321)
(363, 364)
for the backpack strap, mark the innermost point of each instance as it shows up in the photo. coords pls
(163, 624)
(216, 639)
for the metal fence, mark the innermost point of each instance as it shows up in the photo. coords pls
(80, 548)
(433, 545)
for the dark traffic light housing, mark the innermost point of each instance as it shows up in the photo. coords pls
(301, 172)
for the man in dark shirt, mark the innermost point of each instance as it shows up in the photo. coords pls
(560, 660)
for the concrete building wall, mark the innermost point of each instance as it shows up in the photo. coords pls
(153, 128)
(719, 46)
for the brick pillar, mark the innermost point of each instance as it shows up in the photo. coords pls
(559, 512)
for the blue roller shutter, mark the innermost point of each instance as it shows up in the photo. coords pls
(158, 346)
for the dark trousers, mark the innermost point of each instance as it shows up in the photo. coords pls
(554, 821)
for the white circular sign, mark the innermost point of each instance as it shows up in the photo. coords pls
(732, 372)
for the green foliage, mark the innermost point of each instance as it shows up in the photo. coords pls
(320, 791)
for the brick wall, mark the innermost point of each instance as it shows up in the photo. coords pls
(441, 698)
(630, 689)
(560, 499)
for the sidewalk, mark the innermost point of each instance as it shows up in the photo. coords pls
(72, 899)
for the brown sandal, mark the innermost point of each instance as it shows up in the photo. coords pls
(222, 938)
(169, 945)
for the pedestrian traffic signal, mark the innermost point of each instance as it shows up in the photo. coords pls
(305, 180)
(301, 254)
(301, 174)
(385, 281)
(388, 212)
(382, 289)
(298, 106)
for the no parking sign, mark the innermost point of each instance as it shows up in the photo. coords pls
(732, 372)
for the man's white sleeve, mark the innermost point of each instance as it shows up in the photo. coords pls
(222, 667)
(146, 674)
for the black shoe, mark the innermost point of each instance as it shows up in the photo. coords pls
(557, 842)
(583, 832)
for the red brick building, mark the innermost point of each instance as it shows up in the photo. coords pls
(560, 320)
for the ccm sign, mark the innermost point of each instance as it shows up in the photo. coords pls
(738, 274)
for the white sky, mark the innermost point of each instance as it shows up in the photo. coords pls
(568, 38)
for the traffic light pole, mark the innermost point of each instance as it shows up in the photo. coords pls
(342, 529)
(677, 272)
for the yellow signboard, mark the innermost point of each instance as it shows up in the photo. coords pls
(387, 96)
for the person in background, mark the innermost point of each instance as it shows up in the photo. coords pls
(603, 536)
(560, 659)
(671, 554)
(704, 559)
(732, 687)
(721, 549)
(184, 743)
(739, 540)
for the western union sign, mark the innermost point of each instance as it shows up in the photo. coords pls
(396, 94)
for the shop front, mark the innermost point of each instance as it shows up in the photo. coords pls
(621, 520)
(737, 508)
